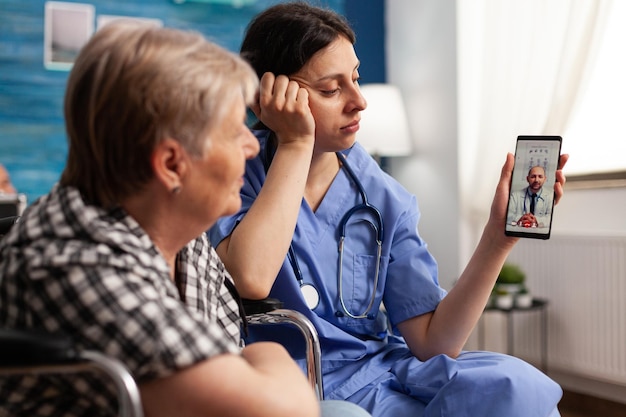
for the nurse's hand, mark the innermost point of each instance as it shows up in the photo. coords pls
(283, 106)
(497, 218)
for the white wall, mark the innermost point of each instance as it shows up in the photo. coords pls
(421, 60)
(591, 211)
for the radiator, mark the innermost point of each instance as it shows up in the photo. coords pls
(584, 280)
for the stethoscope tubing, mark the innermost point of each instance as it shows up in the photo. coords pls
(378, 230)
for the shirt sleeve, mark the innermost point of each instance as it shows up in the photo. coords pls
(136, 316)
(412, 286)
(202, 275)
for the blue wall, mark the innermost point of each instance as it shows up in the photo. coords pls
(32, 135)
(367, 18)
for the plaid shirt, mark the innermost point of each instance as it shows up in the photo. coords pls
(76, 269)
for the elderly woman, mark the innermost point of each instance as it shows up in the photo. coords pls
(115, 254)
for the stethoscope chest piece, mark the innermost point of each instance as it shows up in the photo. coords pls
(310, 294)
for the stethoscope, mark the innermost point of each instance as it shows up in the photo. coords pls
(309, 292)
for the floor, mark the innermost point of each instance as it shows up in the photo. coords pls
(579, 405)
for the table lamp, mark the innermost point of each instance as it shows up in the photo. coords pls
(384, 128)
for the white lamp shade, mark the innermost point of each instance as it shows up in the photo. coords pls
(384, 128)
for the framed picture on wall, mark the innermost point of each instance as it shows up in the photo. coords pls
(68, 26)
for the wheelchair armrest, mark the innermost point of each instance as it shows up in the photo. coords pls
(261, 306)
(38, 352)
(6, 223)
(270, 311)
(32, 348)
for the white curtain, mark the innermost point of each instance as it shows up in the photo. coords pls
(520, 66)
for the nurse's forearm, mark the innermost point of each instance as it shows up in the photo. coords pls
(447, 329)
(258, 245)
(466, 301)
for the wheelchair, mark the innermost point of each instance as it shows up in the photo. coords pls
(30, 351)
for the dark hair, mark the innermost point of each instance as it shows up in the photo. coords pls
(284, 37)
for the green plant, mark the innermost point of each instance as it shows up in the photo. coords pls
(511, 274)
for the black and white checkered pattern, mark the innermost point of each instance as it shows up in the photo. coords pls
(74, 268)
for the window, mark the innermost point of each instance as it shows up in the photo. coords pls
(596, 135)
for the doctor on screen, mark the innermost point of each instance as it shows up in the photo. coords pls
(532, 205)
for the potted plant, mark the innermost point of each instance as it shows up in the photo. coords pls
(523, 299)
(511, 278)
(504, 299)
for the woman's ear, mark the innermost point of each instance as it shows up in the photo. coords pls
(170, 164)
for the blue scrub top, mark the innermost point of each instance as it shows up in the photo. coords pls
(408, 283)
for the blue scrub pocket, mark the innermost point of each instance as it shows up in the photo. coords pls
(358, 288)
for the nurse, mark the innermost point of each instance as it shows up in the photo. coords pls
(325, 230)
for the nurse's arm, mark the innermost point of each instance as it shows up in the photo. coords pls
(447, 329)
(256, 249)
